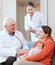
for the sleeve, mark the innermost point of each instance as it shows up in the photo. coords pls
(48, 46)
(4, 51)
(26, 26)
(24, 42)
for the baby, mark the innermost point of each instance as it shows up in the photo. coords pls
(32, 51)
(37, 49)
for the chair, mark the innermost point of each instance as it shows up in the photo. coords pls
(53, 59)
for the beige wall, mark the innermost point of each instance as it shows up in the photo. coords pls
(20, 21)
(37, 6)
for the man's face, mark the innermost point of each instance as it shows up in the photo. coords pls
(30, 10)
(11, 26)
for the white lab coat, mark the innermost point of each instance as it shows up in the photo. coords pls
(9, 44)
(37, 21)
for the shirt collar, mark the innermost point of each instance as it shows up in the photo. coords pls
(12, 34)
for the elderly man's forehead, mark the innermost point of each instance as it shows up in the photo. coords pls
(10, 21)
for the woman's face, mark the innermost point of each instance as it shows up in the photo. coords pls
(30, 10)
(42, 35)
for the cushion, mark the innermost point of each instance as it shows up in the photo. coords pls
(30, 44)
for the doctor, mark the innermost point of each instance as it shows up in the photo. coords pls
(33, 21)
(12, 43)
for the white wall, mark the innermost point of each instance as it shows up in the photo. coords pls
(9, 8)
(0, 14)
(43, 8)
(51, 16)
(47, 7)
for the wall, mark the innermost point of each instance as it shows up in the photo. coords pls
(20, 21)
(9, 8)
(51, 16)
(0, 14)
(47, 7)
(37, 6)
(43, 8)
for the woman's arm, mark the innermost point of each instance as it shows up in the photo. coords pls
(46, 51)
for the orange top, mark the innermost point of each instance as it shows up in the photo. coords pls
(45, 56)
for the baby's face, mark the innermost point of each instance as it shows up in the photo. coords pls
(40, 45)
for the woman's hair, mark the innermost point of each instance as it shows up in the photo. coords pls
(29, 4)
(47, 30)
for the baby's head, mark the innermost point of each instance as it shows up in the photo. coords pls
(40, 45)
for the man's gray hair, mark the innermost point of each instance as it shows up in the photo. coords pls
(5, 21)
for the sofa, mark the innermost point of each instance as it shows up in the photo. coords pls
(30, 44)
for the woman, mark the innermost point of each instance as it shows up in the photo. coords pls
(33, 20)
(45, 56)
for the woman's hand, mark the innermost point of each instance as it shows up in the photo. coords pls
(32, 30)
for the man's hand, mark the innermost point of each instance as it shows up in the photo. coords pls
(22, 51)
